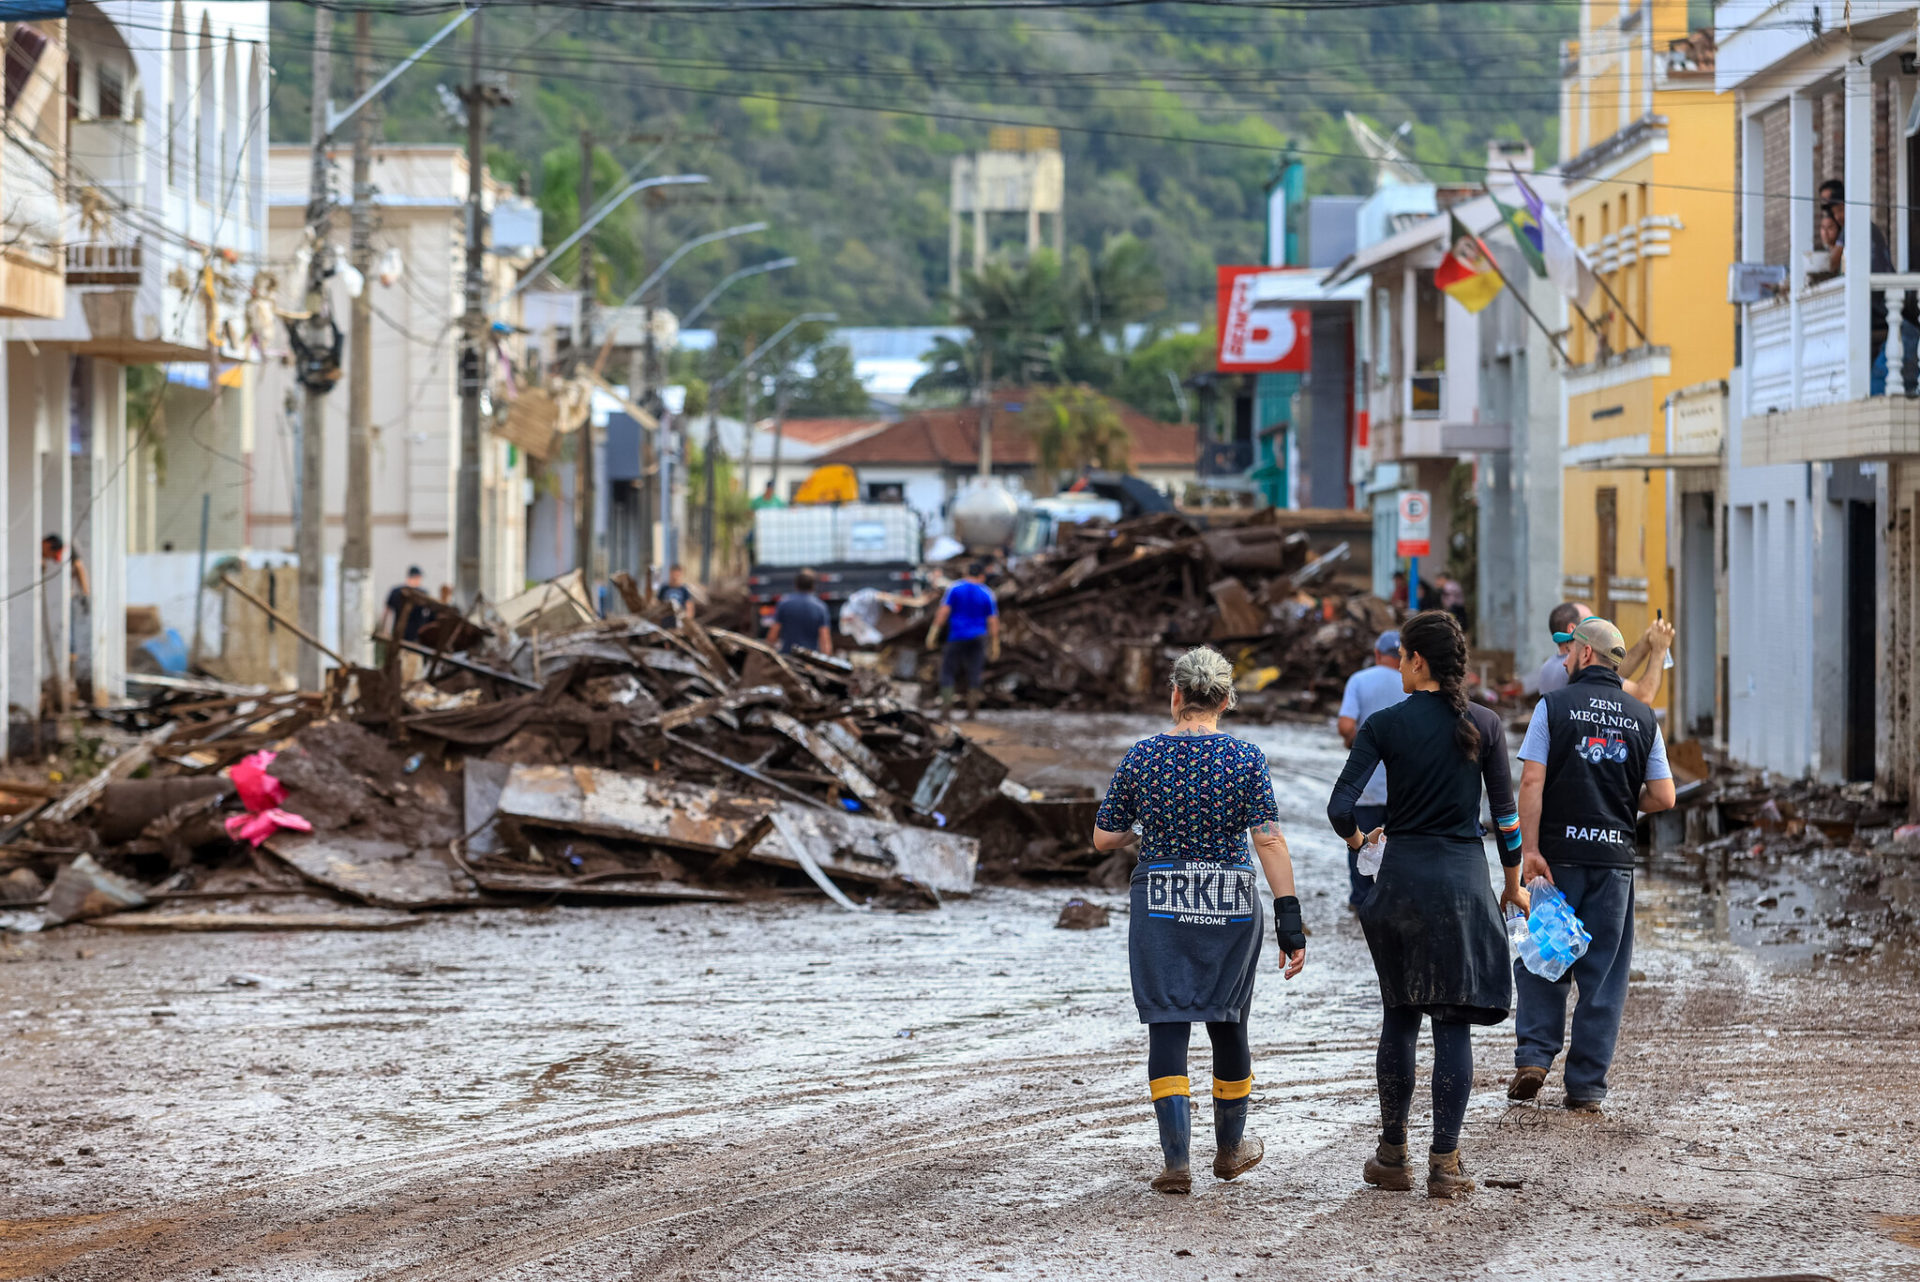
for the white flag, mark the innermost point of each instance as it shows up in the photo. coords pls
(1567, 266)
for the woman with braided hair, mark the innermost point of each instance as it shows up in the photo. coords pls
(1190, 797)
(1431, 920)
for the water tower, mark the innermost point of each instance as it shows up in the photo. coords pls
(1020, 172)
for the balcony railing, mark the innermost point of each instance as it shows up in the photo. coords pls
(98, 263)
(1779, 379)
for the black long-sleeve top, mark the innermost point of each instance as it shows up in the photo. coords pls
(1432, 789)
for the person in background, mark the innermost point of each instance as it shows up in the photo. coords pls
(1592, 758)
(1453, 598)
(971, 617)
(1368, 691)
(1193, 936)
(769, 497)
(446, 594)
(53, 549)
(1646, 656)
(677, 595)
(1432, 923)
(1398, 596)
(403, 620)
(801, 620)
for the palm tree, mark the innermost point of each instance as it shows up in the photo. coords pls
(1073, 428)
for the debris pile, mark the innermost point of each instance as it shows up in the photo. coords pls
(1094, 621)
(541, 754)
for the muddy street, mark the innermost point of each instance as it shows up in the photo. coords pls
(783, 1090)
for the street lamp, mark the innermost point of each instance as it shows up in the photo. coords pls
(713, 426)
(632, 189)
(728, 282)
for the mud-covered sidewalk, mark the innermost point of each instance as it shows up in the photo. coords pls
(787, 1091)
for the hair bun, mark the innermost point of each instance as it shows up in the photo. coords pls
(1204, 678)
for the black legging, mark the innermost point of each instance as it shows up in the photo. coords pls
(1167, 1051)
(1452, 1075)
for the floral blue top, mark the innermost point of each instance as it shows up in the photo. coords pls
(1194, 797)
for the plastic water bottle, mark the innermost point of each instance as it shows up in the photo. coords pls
(1525, 946)
(1367, 861)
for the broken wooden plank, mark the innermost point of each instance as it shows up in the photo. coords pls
(608, 804)
(796, 844)
(119, 768)
(860, 785)
(851, 846)
(746, 771)
(1239, 617)
(377, 871)
(256, 921)
(468, 665)
(635, 887)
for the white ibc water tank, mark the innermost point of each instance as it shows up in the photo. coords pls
(985, 516)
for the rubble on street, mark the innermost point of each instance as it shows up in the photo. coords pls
(1094, 622)
(542, 754)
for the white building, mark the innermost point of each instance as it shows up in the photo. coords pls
(415, 435)
(131, 181)
(1823, 550)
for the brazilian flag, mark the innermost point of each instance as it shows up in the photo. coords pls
(1527, 234)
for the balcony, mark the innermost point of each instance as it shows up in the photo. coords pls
(1802, 402)
(104, 264)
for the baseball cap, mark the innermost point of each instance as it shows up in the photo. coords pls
(1605, 639)
(1388, 642)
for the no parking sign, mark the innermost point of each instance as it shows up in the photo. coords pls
(1416, 524)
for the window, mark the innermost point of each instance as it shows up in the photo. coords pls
(113, 93)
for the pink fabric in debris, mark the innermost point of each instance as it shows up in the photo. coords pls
(262, 794)
(255, 829)
(258, 790)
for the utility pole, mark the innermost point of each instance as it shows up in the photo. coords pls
(986, 412)
(585, 492)
(474, 325)
(356, 556)
(309, 542)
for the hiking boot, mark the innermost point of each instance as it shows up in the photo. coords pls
(1527, 1081)
(1387, 1168)
(1582, 1105)
(1175, 1114)
(1236, 1151)
(1444, 1176)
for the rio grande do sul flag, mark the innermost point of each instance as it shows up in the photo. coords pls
(1467, 272)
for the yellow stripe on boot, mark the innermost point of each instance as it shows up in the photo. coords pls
(1165, 1086)
(1232, 1090)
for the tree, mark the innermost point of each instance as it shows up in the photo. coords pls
(1154, 375)
(615, 237)
(832, 389)
(1074, 428)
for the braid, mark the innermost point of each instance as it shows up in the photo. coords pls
(1436, 637)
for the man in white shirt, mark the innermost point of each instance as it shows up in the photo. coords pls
(1647, 656)
(1368, 691)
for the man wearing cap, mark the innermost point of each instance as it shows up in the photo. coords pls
(1649, 652)
(1368, 691)
(1592, 759)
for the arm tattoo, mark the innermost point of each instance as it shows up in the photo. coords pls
(1269, 830)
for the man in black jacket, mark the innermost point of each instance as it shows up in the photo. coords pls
(1593, 757)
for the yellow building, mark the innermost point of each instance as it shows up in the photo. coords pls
(1649, 173)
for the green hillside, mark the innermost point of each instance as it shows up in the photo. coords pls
(1170, 119)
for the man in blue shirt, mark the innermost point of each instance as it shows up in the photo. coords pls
(1368, 691)
(801, 620)
(972, 619)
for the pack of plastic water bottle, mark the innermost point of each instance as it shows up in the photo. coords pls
(1549, 938)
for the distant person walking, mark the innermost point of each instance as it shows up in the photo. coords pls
(971, 617)
(1368, 691)
(1190, 797)
(1431, 921)
(1592, 758)
(403, 620)
(801, 620)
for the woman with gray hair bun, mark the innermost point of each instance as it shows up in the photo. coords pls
(1190, 797)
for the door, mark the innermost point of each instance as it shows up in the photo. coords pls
(1606, 543)
(1861, 661)
(1697, 622)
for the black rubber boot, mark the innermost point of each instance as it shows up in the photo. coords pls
(1237, 1152)
(1175, 1113)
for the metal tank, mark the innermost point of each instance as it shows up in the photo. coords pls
(985, 516)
